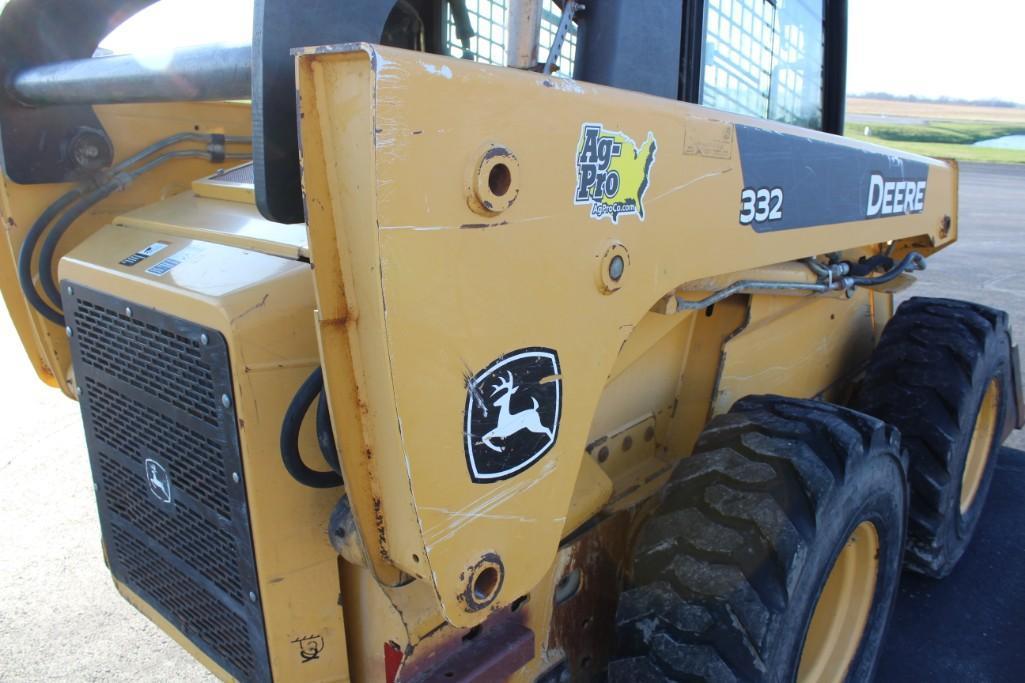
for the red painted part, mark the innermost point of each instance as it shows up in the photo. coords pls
(392, 661)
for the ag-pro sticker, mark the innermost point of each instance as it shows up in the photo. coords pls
(613, 173)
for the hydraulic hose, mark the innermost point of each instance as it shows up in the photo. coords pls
(830, 278)
(172, 140)
(326, 435)
(28, 247)
(913, 261)
(119, 177)
(62, 225)
(290, 426)
(83, 204)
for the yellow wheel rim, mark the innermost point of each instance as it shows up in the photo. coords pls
(840, 616)
(981, 445)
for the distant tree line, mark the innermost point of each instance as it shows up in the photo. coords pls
(938, 100)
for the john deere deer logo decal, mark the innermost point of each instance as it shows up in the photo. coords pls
(510, 423)
(512, 413)
(159, 482)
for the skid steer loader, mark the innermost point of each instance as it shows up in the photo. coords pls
(465, 340)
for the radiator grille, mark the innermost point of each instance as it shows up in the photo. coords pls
(202, 618)
(160, 362)
(242, 175)
(194, 461)
(212, 551)
(166, 461)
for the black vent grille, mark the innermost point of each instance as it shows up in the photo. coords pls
(203, 618)
(194, 461)
(164, 364)
(212, 551)
(165, 457)
(242, 175)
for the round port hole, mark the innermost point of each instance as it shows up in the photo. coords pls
(495, 182)
(499, 180)
(485, 583)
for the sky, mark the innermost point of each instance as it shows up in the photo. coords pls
(965, 49)
(931, 48)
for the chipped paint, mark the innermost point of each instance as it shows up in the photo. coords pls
(442, 70)
(563, 85)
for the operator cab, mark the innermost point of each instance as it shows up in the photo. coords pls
(780, 60)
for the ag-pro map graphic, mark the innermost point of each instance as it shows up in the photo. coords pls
(612, 172)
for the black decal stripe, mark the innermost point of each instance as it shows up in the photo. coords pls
(823, 183)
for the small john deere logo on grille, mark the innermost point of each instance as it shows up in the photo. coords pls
(512, 413)
(159, 482)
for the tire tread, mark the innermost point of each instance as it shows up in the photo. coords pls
(922, 378)
(716, 566)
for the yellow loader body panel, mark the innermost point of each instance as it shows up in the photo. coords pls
(420, 285)
(507, 279)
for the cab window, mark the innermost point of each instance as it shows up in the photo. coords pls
(764, 58)
(487, 21)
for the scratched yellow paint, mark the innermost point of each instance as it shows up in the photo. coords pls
(417, 293)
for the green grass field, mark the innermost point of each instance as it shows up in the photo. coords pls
(915, 140)
(947, 138)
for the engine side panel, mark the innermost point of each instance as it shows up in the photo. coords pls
(240, 541)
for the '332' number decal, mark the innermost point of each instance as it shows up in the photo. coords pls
(759, 206)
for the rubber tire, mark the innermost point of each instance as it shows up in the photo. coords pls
(727, 572)
(928, 377)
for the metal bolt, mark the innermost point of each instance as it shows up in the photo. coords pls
(235, 478)
(128, 311)
(67, 331)
(204, 340)
(252, 596)
(71, 291)
(225, 400)
(78, 390)
(616, 267)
